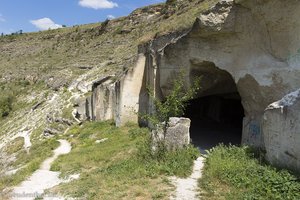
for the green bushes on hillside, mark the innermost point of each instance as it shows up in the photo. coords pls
(10, 93)
(5, 105)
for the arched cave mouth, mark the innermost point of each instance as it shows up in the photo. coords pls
(215, 119)
(217, 112)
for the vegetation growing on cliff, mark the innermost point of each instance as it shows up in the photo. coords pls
(235, 173)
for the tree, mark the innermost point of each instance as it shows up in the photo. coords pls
(174, 104)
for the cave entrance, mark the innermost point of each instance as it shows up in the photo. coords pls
(215, 119)
(217, 112)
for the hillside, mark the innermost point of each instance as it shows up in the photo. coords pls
(58, 56)
(225, 73)
(32, 63)
(43, 74)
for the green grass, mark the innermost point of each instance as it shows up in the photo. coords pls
(29, 162)
(235, 173)
(116, 169)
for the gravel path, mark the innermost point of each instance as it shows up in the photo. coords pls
(43, 178)
(187, 189)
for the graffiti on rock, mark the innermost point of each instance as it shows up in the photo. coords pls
(254, 131)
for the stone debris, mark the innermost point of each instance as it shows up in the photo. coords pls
(101, 141)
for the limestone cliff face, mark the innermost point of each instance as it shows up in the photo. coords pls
(281, 131)
(247, 46)
(257, 43)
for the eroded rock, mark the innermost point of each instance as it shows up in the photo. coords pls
(249, 47)
(177, 135)
(281, 125)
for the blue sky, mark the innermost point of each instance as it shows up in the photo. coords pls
(35, 15)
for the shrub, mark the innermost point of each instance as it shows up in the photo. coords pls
(174, 104)
(5, 105)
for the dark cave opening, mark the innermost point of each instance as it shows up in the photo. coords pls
(215, 119)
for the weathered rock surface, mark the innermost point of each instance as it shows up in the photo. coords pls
(100, 104)
(178, 132)
(281, 125)
(177, 135)
(248, 47)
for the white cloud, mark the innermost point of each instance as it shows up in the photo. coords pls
(45, 24)
(2, 18)
(97, 4)
(110, 17)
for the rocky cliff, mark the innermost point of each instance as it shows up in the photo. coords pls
(250, 48)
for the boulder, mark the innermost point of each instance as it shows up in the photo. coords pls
(177, 135)
(281, 128)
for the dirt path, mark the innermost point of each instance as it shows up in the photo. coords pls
(187, 189)
(43, 178)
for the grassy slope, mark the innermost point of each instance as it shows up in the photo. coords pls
(54, 57)
(30, 60)
(234, 173)
(115, 168)
(59, 52)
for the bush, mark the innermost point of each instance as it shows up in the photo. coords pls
(5, 105)
(174, 103)
(235, 173)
